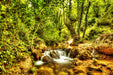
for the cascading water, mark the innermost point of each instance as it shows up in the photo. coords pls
(63, 58)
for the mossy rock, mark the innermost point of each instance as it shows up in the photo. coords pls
(45, 71)
(104, 44)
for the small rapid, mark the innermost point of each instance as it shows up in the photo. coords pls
(57, 56)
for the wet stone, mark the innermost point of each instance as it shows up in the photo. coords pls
(47, 59)
(54, 54)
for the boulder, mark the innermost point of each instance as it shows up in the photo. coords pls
(37, 54)
(45, 71)
(54, 54)
(47, 59)
(27, 63)
(22, 67)
(105, 50)
(62, 73)
(84, 54)
(104, 44)
(67, 51)
(74, 53)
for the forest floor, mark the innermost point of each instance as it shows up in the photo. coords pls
(89, 59)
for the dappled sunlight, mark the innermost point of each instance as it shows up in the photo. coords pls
(71, 2)
(69, 47)
(30, 5)
(70, 41)
(56, 37)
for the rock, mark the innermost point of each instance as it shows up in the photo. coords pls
(45, 71)
(104, 57)
(74, 53)
(94, 73)
(85, 46)
(47, 59)
(27, 64)
(78, 71)
(37, 54)
(77, 62)
(32, 70)
(40, 44)
(54, 54)
(104, 44)
(21, 68)
(84, 54)
(105, 50)
(62, 73)
(14, 70)
(70, 71)
(94, 68)
(67, 51)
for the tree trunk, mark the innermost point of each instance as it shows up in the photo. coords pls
(71, 25)
(72, 31)
(80, 15)
(60, 23)
(86, 22)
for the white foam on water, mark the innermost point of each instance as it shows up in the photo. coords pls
(46, 53)
(62, 60)
(61, 53)
(39, 63)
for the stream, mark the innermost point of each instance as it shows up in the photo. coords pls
(55, 62)
(55, 56)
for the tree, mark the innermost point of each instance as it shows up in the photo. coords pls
(80, 7)
(86, 17)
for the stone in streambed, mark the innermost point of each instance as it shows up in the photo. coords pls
(54, 54)
(45, 71)
(67, 51)
(74, 53)
(84, 54)
(47, 59)
(62, 73)
(104, 44)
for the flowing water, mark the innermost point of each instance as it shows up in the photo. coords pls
(64, 59)
(62, 62)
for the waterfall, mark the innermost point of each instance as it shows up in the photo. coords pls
(63, 59)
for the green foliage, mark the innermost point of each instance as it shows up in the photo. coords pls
(25, 22)
(93, 32)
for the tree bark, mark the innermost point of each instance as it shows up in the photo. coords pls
(86, 20)
(79, 16)
(70, 24)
